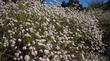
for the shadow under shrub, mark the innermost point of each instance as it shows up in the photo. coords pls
(104, 25)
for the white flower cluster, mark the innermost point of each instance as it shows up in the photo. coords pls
(33, 32)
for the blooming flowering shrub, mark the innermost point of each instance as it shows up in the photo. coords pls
(32, 32)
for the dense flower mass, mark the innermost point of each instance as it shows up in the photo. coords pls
(32, 32)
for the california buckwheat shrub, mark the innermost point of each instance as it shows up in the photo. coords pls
(31, 31)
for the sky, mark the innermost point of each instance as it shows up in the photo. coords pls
(54, 2)
(84, 3)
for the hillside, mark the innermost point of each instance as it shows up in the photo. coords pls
(30, 31)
